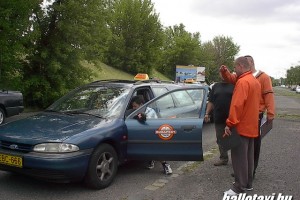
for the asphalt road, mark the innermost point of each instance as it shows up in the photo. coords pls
(278, 171)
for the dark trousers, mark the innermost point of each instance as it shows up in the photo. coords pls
(257, 144)
(242, 158)
(219, 127)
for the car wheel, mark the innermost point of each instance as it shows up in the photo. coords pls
(102, 167)
(2, 116)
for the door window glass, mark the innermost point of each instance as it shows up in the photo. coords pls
(179, 104)
(159, 91)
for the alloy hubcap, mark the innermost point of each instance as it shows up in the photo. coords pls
(105, 166)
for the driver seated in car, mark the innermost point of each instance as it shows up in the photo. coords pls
(136, 102)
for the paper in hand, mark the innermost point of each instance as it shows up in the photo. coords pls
(265, 127)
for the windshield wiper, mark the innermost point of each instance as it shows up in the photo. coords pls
(60, 112)
(55, 111)
(82, 113)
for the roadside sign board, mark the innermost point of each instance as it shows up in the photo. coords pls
(189, 72)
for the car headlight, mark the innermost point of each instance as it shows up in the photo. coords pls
(55, 148)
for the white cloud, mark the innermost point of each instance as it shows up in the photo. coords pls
(266, 29)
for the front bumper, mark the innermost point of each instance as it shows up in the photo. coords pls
(54, 167)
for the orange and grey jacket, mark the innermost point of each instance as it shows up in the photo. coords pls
(267, 95)
(244, 107)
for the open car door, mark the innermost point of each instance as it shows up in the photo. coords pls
(175, 133)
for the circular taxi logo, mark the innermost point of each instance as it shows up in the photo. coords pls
(165, 132)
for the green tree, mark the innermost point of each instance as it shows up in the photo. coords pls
(136, 36)
(179, 48)
(275, 82)
(220, 51)
(14, 29)
(293, 76)
(207, 60)
(63, 34)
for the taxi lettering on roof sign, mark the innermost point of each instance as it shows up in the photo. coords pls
(141, 77)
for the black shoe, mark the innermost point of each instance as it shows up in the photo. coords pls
(150, 165)
(248, 188)
(221, 162)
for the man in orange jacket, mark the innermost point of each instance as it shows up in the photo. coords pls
(243, 115)
(266, 102)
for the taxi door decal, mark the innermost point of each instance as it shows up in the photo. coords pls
(165, 132)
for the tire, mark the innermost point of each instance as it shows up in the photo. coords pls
(102, 167)
(2, 116)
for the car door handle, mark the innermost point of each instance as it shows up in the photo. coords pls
(188, 128)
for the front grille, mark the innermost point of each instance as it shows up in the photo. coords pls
(15, 146)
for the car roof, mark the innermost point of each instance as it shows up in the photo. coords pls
(133, 83)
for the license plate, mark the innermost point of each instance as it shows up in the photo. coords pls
(15, 161)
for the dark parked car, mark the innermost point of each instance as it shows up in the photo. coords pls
(86, 134)
(11, 103)
(293, 88)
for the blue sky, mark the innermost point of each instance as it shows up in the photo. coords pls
(269, 30)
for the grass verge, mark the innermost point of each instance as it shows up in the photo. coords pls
(285, 92)
(102, 71)
(288, 116)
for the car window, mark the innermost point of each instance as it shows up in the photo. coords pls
(178, 104)
(144, 92)
(165, 102)
(159, 91)
(183, 98)
(97, 100)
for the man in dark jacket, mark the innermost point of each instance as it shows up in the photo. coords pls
(219, 103)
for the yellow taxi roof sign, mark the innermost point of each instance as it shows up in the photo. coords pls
(141, 77)
(189, 80)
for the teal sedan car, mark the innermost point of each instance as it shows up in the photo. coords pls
(88, 133)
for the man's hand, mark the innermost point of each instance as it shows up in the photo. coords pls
(140, 117)
(227, 132)
(223, 68)
(207, 118)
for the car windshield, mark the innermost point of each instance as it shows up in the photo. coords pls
(99, 101)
